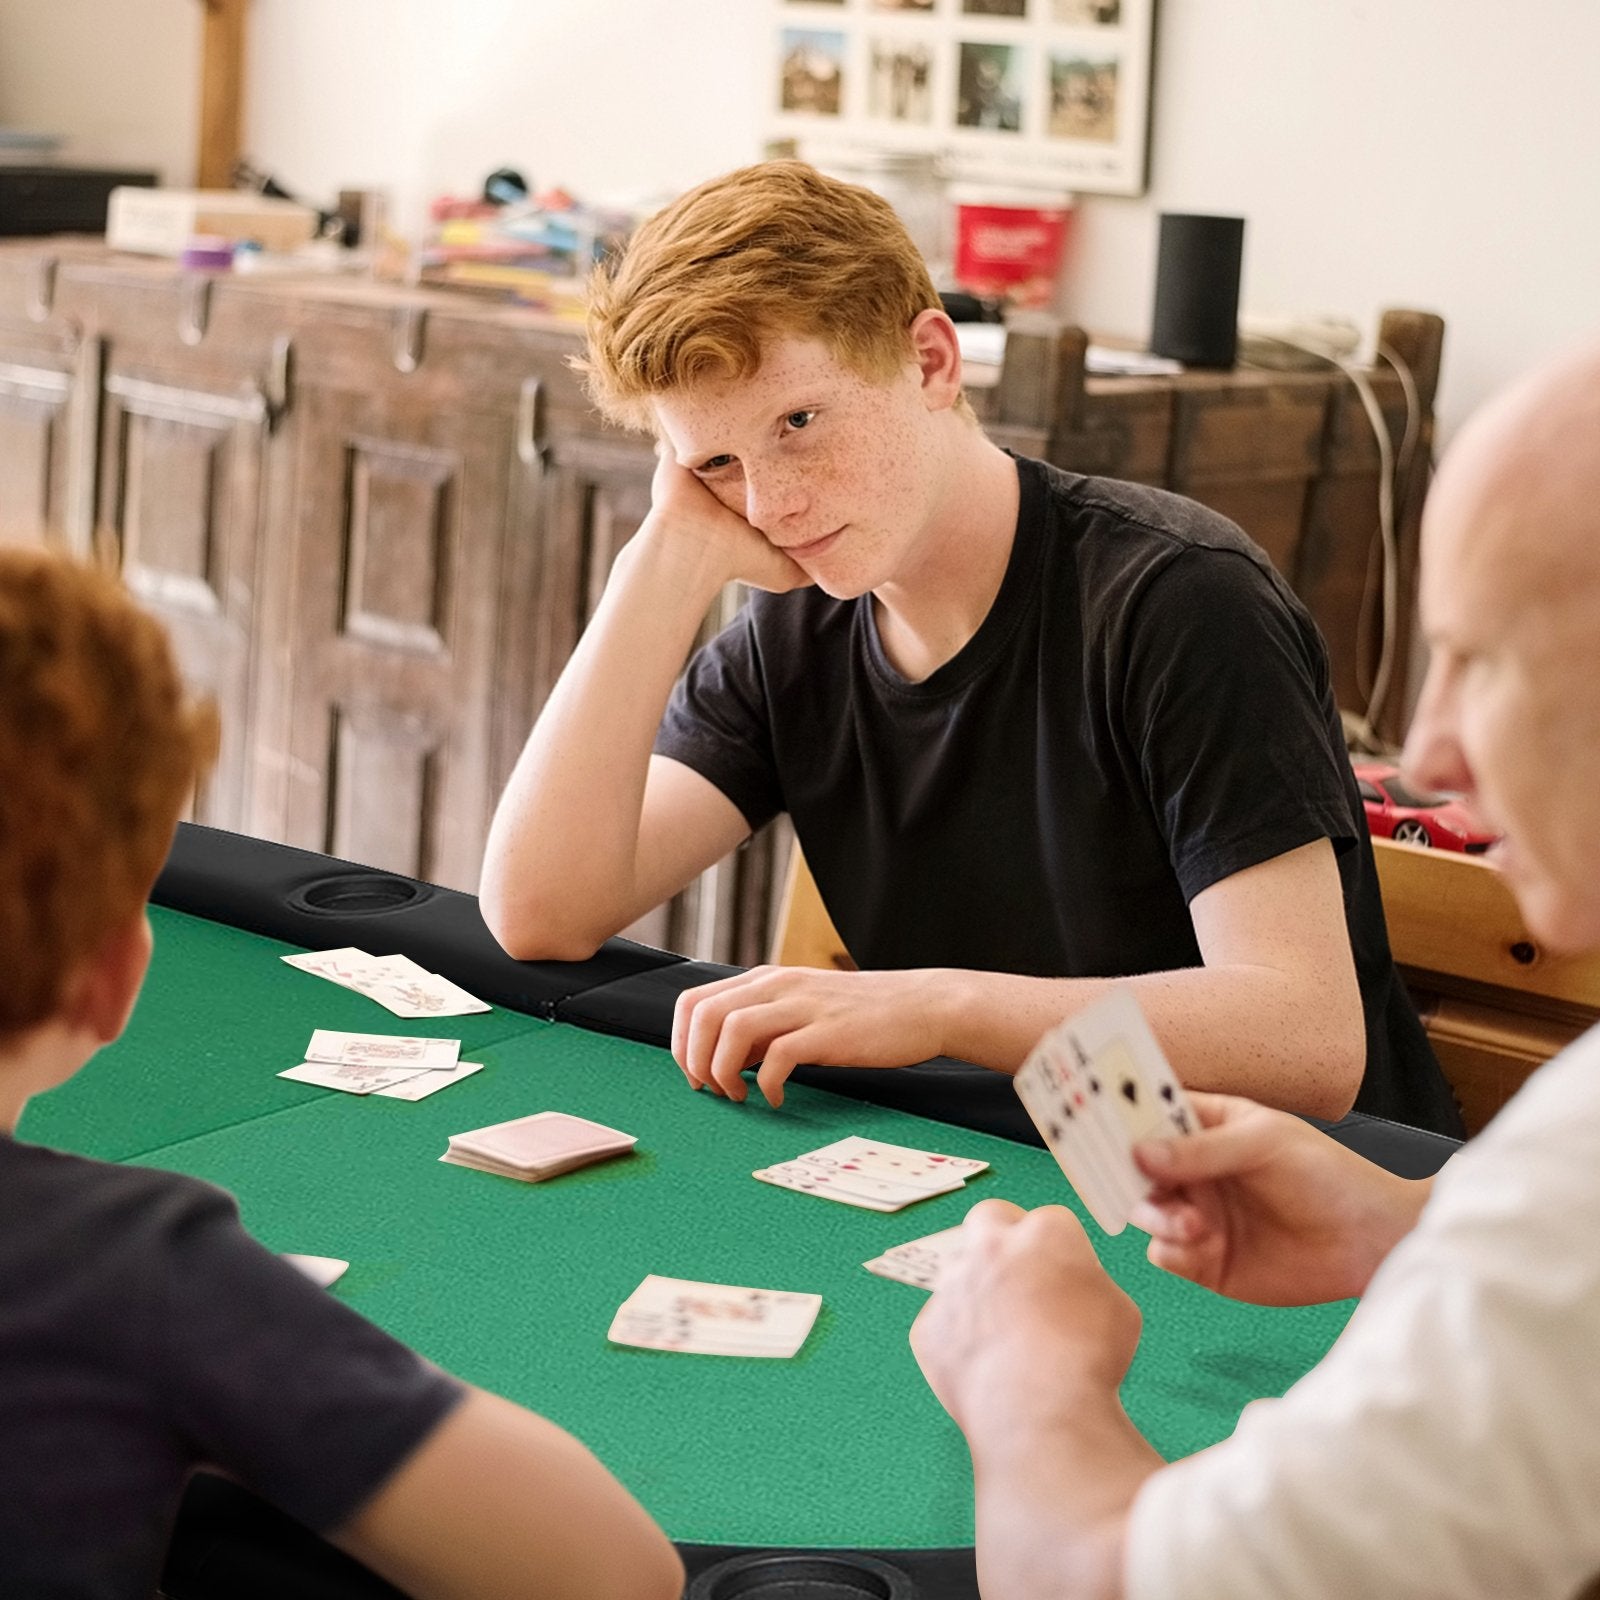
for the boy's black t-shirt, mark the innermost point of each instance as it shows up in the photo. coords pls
(143, 1333)
(1146, 710)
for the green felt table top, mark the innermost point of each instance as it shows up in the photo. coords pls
(513, 1285)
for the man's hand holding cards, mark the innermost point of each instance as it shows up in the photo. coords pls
(1095, 1086)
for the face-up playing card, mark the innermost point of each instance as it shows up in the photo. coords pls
(1135, 1096)
(425, 994)
(382, 1049)
(419, 1085)
(850, 1188)
(353, 1077)
(714, 1318)
(870, 1173)
(918, 1261)
(897, 1163)
(396, 982)
(1062, 1099)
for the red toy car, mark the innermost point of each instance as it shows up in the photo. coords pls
(1409, 817)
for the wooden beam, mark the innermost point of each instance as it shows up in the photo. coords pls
(222, 66)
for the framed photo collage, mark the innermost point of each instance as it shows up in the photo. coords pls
(1049, 92)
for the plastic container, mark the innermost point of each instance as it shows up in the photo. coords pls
(1009, 243)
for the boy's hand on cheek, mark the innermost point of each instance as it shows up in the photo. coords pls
(687, 511)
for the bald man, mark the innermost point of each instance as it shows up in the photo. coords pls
(1449, 1444)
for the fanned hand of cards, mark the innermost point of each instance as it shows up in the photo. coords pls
(397, 982)
(537, 1147)
(397, 1067)
(1095, 1086)
(714, 1319)
(871, 1174)
(918, 1261)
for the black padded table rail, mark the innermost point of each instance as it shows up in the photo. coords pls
(324, 904)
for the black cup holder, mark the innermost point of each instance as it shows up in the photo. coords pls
(786, 1575)
(358, 894)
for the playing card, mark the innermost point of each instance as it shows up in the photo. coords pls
(714, 1318)
(1050, 1089)
(918, 1261)
(349, 966)
(850, 1188)
(396, 982)
(894, 1162)
(421, 1084)
(323, 1270)
(366, 1049)
(1096, 1129)
(425, 994)
(1139, 1097)
(354, 1077)
(1142, 1088)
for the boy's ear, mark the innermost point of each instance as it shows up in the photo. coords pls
(101, 1000)
(937, 352)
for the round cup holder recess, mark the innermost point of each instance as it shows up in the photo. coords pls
(796, 1575)
(358, 894)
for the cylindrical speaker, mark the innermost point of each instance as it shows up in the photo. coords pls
(1197, 289)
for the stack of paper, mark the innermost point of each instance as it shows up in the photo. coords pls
(536, 1147)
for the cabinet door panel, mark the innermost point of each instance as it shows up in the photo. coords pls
(181, 511)
(48, 403)
(399, 514)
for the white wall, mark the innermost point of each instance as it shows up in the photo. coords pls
(120, 79)
(1434, 153)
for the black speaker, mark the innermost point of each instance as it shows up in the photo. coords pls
(1197, 289)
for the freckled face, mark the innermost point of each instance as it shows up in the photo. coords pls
(839, 472)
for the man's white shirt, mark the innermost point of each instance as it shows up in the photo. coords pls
(1449, 1444)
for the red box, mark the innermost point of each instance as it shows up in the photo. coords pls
(1010, 251)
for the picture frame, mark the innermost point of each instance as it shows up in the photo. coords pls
(1051, 93)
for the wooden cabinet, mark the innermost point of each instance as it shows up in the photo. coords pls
(1293, 456)
(376, 520)
(49, 392)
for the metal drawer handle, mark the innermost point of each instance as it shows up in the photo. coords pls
(407, 346)
(195, 313)
(532, 448)
(42, 290)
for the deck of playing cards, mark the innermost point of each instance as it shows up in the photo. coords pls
(537, 1147)
(397, 982)
(1095, 1086)
(871, 1174)
(918, 1261)
(373, 1063)
(714, 1319)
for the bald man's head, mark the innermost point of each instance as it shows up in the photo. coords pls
(1510, 595)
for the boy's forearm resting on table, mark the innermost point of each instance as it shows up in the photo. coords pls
(1252, 1031)
(562, 867)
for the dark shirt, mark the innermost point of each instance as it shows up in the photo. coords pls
(1146, 710)
(142, 1333)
